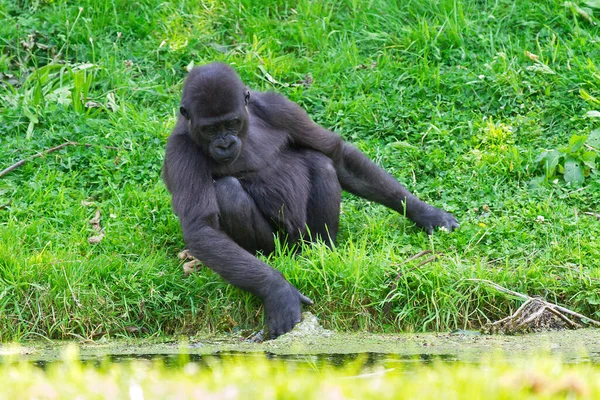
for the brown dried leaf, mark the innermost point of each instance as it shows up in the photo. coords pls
(92, 104)
(531, 56)
(96, 239)
(373, 65)
(185, 255)
(96, 220)
(306, 82)
(191, 266)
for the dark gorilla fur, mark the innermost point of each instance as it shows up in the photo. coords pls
(244, 167)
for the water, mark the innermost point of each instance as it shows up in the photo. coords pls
(339, 360)
(332, 349)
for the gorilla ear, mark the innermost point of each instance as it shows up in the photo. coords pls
(247, 97)
(184, 112)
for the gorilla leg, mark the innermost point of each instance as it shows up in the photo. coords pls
(241, 219)
(323, 209)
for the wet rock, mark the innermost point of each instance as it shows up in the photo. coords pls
(308, 328)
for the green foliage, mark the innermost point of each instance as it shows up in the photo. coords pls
(575, 162)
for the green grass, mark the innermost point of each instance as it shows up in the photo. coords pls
(255, 376)
(443, 94)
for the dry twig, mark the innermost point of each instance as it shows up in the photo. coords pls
(48, 151)
(535, 311)
(592, 214)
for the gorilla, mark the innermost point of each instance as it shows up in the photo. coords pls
(244, 168)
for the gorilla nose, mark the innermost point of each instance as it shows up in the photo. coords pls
(225, 146)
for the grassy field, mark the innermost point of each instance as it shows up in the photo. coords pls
(255, 376)
(457, 99)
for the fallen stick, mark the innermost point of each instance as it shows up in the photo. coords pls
(592, 214)
(529, 298)
(48, 151)
(530, 318)
(573, 324)
(421, 254)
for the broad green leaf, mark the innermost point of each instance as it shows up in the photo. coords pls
(402, 145)
(541, 157)
(31, 115)
(594, 139)
(589, 159)
(576, 143)
(537, 182)
(549, 159)
(573, 171)
(42, 74)
(30, 130)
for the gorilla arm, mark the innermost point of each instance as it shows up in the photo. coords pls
(187, 176)
(356, 172)
(359, 175)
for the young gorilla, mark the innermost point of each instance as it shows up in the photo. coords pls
(243, 166)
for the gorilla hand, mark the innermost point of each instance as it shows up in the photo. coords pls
(283, 308)
(428, 217)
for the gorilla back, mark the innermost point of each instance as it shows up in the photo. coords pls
(243, 167)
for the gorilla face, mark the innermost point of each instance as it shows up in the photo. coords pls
(221, 140)
(214, 104)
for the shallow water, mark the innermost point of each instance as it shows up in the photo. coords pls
(307, 360)
(333, 348)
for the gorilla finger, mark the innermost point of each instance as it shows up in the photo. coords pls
(296, 318)
(305, 300)
(287, 327)
(275, 330)
(273, 327)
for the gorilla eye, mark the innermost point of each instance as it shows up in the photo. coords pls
(184, 112)
(233, 124)
(210, 130)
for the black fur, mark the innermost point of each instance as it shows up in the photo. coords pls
(244, 166)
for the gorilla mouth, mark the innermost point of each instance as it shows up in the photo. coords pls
(226, 159)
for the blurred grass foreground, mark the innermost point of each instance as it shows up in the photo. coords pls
(256, 377)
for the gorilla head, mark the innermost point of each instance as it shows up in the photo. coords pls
(214, 104)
